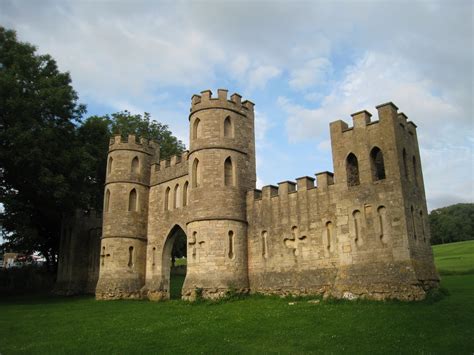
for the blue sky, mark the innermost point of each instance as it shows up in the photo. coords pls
(304, 64)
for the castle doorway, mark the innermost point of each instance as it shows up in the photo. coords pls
(174, 261)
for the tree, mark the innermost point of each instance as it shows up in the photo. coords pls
(452, 224)
(38, 165)
(94, 135)
(52, 162)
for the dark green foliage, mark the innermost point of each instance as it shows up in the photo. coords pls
(452, 224)
(94, 135)
(39, 173)
(52, 162)
(28, 279)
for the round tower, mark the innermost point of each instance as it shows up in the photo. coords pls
(222, 170)
(123, 244)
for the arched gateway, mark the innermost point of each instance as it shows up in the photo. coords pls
(296, 238)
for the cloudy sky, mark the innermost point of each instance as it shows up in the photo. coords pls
(303, 63)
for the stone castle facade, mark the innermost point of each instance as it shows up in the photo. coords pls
(361, 231)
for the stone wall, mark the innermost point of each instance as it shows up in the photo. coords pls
(78, 264)
(360, 232)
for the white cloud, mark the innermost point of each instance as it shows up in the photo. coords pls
(259, 76)
(313, 72)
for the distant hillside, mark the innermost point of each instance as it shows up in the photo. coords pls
(452, 224)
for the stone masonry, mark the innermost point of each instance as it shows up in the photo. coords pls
(361, 232)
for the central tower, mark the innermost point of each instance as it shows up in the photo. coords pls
(222, 169)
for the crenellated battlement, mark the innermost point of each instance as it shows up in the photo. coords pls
(386, 112)
(304, 183)
(171, 168)
(132, 142)
(235, 103)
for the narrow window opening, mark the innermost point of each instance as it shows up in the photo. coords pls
(167, 199)
(197, 128)
(328, 235)
(196, 177)
(103, 256)
(193, 243)
(377, 162)
(228, 172)
(135, 165)
(422, 226)
(231, 244)
(405, 166)
(130, 257)
(352, 168)
(153, 256)
(357, 226)
(264, 245)
(185, 194)
(228, 129)
(176, 196)
(110, 166)
(413, 222)
(381, 214)
(132, 200)
(415, 173)
(107, 201)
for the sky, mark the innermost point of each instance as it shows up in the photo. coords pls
(303, 63)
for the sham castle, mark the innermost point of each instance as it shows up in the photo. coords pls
(360, 232)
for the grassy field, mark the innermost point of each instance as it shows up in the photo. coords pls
(252, 325)
(455, 258)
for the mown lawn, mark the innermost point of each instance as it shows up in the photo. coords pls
(455, 257)
(251, 325)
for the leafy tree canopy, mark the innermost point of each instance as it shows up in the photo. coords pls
(51, 161)
(39, 175)
(94, 135)
(452, 224)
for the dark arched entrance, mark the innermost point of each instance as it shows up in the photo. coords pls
(174, 265)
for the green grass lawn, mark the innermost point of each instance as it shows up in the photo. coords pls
(455, 258)
(252, 325)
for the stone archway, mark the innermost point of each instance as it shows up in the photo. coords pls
(176, 233)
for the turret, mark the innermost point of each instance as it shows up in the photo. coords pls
(222, 169)
(123, 244)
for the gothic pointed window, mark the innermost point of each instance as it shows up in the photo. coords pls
(176, 196)
(167, 199)
(132, 200)
(185, 194)
(352, 169)
(197, 128)
(377, 164)
(228, 128)
(135, 165)
(228, 172)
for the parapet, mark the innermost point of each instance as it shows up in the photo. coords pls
(132, 143)
(284, 188)
(324, 179)
(169, 169)
(361, 119)
(206, 101)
